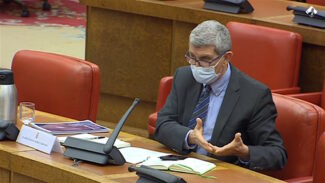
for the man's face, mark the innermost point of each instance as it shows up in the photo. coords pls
(206, 56)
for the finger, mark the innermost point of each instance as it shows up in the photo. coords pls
(204, 144)
(198, 123)
(238, 137)
(215, 149)
(208, 147)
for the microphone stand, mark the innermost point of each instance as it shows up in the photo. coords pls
(80, 149)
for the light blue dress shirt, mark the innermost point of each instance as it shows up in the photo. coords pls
(216, 97)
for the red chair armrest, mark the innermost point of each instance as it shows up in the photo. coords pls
(308, 179)
(152, 124)
(314, 97)
(286, 91)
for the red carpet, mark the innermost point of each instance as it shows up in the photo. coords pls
(63, 13)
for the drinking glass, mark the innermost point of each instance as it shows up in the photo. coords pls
(26, 112)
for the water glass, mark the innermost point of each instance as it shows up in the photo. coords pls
(26, 112)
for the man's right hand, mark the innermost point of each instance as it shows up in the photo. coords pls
(196, 136)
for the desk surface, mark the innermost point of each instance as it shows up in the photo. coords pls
(28, 165)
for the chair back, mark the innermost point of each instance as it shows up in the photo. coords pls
(319, 175)
(269, 55)
(299, 123)
(165, 86)
(57, 84)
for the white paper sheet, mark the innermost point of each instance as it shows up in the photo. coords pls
(136, 155)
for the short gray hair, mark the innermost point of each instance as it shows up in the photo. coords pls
(211, 32)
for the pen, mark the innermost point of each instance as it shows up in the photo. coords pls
(98, 137)
(147, 158)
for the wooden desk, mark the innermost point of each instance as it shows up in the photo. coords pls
(8, 148)
(27, 165)
(137, 42)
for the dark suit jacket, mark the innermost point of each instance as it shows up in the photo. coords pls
(247, 107)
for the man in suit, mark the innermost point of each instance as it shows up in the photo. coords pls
(216, 110)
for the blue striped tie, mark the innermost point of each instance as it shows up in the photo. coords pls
(201, 108)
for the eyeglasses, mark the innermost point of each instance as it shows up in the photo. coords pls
(203, 63)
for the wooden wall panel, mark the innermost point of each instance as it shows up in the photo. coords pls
(132, 51)
(181, 32)
(312, 68)
(112, 107)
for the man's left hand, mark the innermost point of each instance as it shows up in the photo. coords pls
(235, 148)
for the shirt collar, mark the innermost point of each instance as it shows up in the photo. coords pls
(222, 83)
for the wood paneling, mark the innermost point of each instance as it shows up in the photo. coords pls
(132, 51)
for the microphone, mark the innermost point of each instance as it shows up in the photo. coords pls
(80, 149)
(147, 174)
(109, 144)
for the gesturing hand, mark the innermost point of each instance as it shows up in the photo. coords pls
(196, 136)
(235, 148)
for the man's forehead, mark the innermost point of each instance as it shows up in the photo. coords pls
(205, 48)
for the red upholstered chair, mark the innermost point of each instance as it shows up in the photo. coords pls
(57, 84)
(319, 175)
(317, 98)
(163, 92)
(300, 124)
(318, 172)
(269, 55)
(319, 2)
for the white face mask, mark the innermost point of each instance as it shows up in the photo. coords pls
(205, 75)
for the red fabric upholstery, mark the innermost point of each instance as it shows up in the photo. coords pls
(317, 98)
(319, 2)
(163, 92)
(299, 123)
(319, 174)
(165, 86)
(269, 55)
(57, 84)
(308, 179)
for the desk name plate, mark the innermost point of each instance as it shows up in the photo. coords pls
(39, 140)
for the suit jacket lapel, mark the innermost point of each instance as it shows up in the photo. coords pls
(228, 103)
